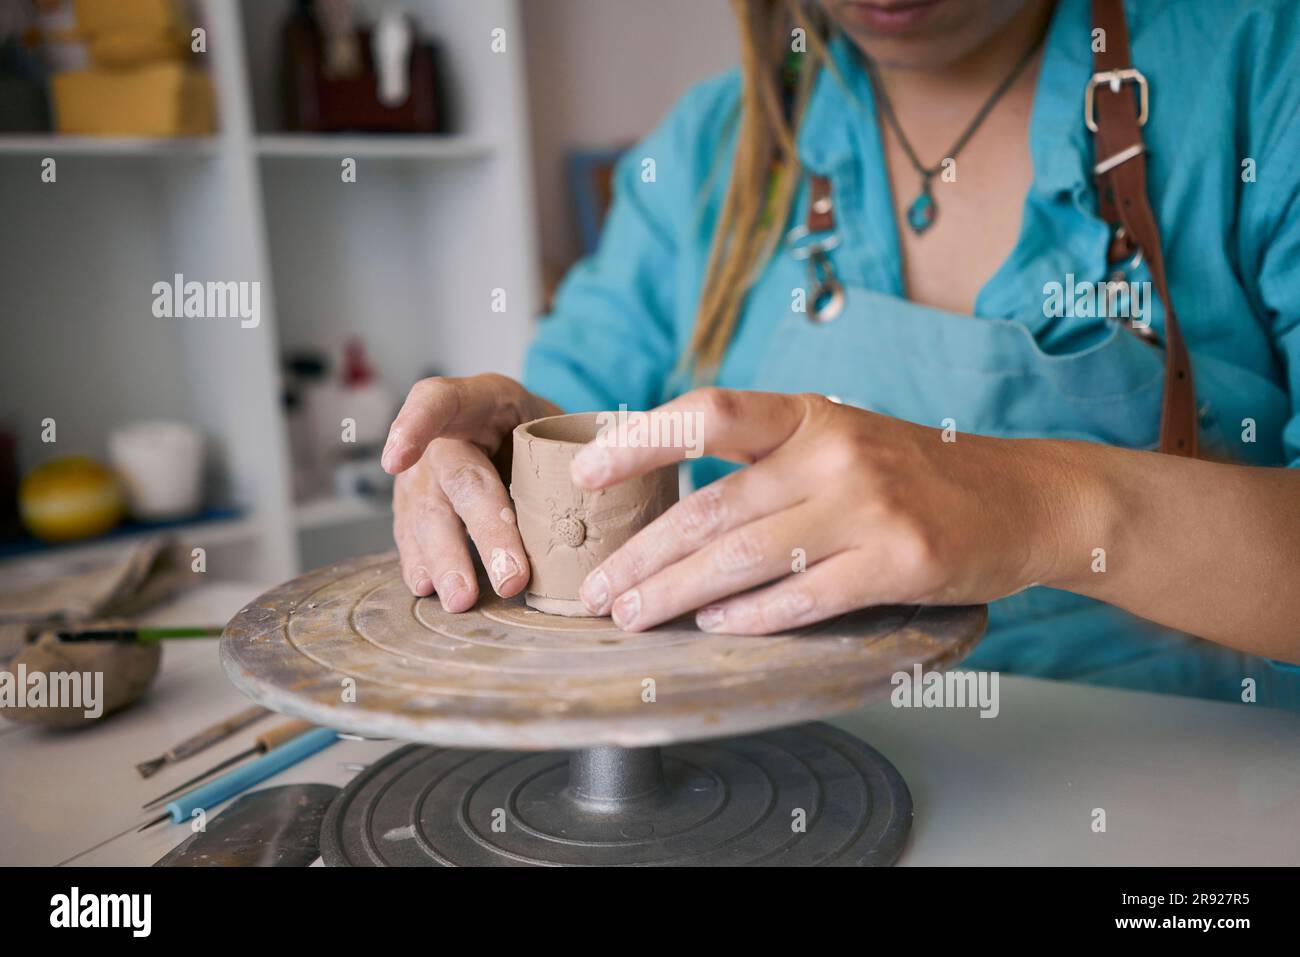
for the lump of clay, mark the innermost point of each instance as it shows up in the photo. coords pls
(105, 675)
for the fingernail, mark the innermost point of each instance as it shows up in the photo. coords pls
(595, 592)
(710, 619)
(451, 585)
(502, 567)
(590, 466)
(388, 460)
(627, 608)
(423, 583)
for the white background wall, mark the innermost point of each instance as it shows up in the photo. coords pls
(604, 72)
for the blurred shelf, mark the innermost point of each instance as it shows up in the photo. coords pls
(288, 145)
(329, 512)
(372, 146)
(213, 529)
(406, 261)
(41, 144)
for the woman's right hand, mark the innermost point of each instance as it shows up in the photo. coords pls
(441, 447)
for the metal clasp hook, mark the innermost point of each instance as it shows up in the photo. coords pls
(826, 294)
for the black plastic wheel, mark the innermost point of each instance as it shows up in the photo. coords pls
(805, 795)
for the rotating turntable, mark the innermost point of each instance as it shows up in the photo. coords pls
(683, 747)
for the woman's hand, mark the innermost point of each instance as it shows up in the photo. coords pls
(441, 448)
(840, 509)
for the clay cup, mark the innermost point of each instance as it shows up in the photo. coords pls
(566, 531)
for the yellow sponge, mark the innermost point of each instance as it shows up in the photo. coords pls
(135, 47)
(165, 99)
(70, 498)
(100, 16)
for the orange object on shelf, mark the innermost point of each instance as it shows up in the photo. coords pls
(102, 16)
(70, 498)
(115, 49)
(165, 99)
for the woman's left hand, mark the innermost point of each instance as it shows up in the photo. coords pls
(839, 509)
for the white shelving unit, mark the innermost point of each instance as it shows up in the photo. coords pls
(52, 144)
(407, 257)
(432, 148)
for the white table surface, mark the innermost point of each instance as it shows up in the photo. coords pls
(1182, 781)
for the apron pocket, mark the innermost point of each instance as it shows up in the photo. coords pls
(988, 376)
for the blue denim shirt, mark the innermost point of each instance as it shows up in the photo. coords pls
(1223, 138)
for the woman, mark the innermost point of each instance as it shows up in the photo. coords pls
(912, 218)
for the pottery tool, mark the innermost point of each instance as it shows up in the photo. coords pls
(205, 738)
(271, 827)
(264, 743)
(243, 778)
(566, 741)
(138, 634)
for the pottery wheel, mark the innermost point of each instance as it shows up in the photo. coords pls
(806, 795)
(347, 646)
(645, 782)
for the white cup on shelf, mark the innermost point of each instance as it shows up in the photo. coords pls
(161, 465)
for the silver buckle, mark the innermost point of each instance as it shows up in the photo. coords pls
(1115, 79)
(802, 242)
(827, 299)
(826, 295)
(1133, 263)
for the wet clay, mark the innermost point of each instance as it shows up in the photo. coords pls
(566, 531)
(128, 668)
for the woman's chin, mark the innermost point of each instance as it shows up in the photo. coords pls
(891, 18)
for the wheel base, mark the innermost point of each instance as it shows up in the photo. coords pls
(805, 795)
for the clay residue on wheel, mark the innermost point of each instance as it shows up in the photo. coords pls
(417, 672)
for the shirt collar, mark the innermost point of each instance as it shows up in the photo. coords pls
(1059, 142)
(841, 99)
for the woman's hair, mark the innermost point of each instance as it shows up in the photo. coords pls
(765, 171)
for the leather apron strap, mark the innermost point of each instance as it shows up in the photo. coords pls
(1115, 118)
(1113, 115)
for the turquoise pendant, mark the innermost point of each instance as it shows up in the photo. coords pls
(921, 214)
